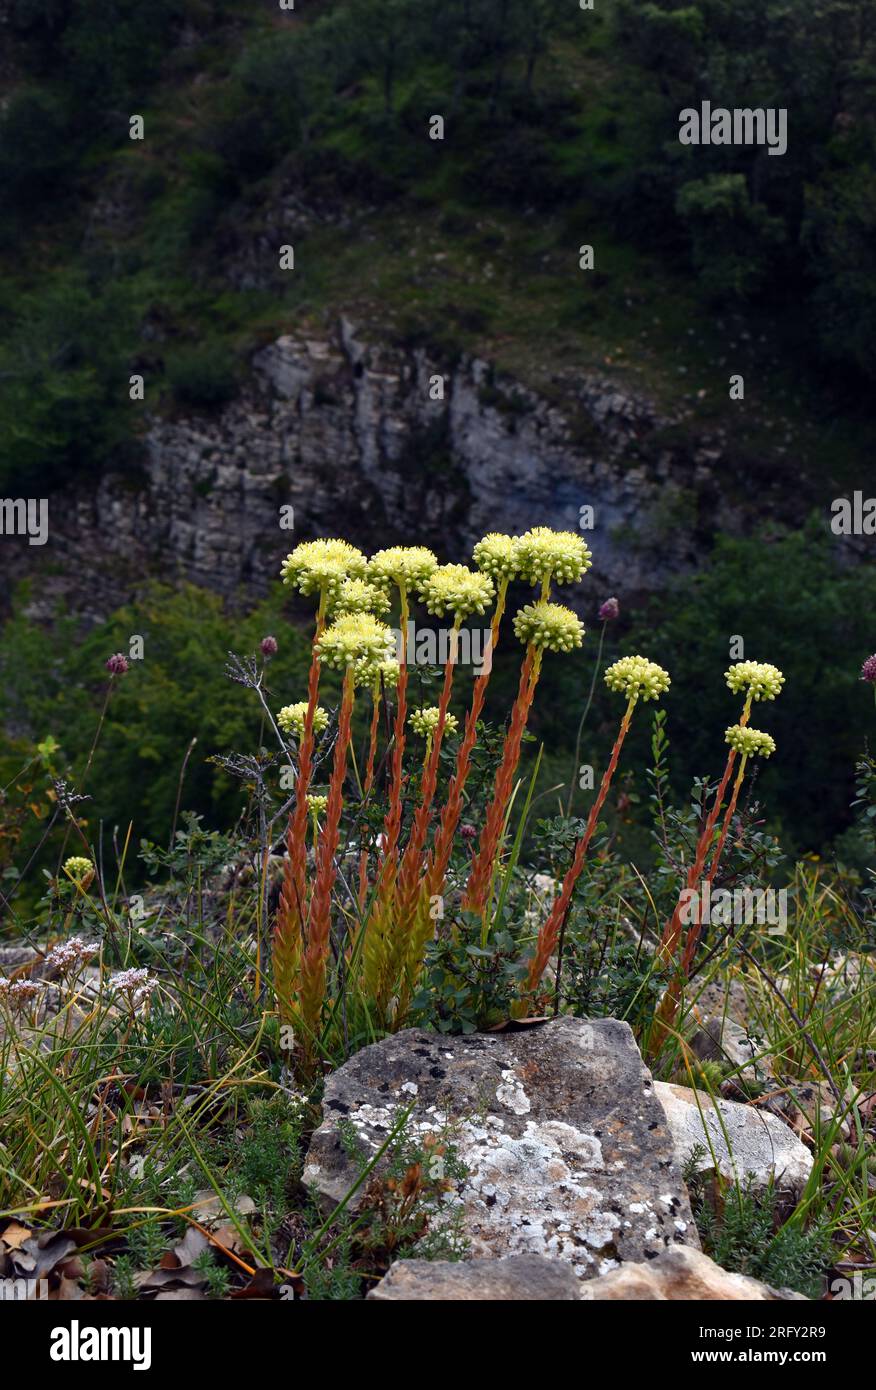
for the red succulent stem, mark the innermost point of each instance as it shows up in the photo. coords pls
(553, 928)
(317, 948)
(483, 864)
(672, 930)
(292, 912)
(693, 935)
(392, 821)
(450, 815)
(411, 862)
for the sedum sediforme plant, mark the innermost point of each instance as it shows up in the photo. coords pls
(758, 681)
(542, 557)
(637, 679)
(353, 956)
(381, 953)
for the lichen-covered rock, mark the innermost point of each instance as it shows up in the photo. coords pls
(564, 1142)
(761, 1146)
(679, 1274)
(511, 1279)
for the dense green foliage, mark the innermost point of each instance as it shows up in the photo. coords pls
(177, 692)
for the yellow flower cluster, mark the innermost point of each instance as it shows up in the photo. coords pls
(542, 554)
(80, 869)
(751, 743)
(291, 719)
(763, 681)
(316, 804)
(424, 721)
(355, 638)
(457, 588)
(495, 555)
(403, 565)
(322, 566)
(357, 595)
(637, 678)
(370, 672)
(549, 626)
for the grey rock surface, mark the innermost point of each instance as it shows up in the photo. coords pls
(565, 1144)
(347, 433)
(510, 1279)
(760, 1144)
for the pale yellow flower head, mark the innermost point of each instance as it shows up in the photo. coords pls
(751, 743)
(316, 803)
(370, 673)
(322, 566)
(357, 595)
(495, 555)
(457, 588)
(560, 556)
(637, 678)
(354, 638)
(291, 719)
(79, 869)
(549, 626)
(759, 678)
(424, 721)
(406, 566)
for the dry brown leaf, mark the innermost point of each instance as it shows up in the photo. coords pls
(15, 1235)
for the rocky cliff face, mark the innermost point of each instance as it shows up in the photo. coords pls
(348, 434)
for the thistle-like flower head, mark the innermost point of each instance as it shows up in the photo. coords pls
(79, 869)
(637, 678)
(406, 566)
(549, 626)
(269, 647)
(609, 610)
(292, 718)
(868, 670)
(751, 743)
(495, 555)
(117, 664)
(357, 595)
(354, 638)
(424, 721)
(560, 556)
(321, 566)
(457, 588)
(759, 678)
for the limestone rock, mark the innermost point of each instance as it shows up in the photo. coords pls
(760, 1144)
(346, 432)
(511, 1279)
(681, 1273)
(565, 1144)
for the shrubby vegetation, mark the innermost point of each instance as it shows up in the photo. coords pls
(227, 969)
